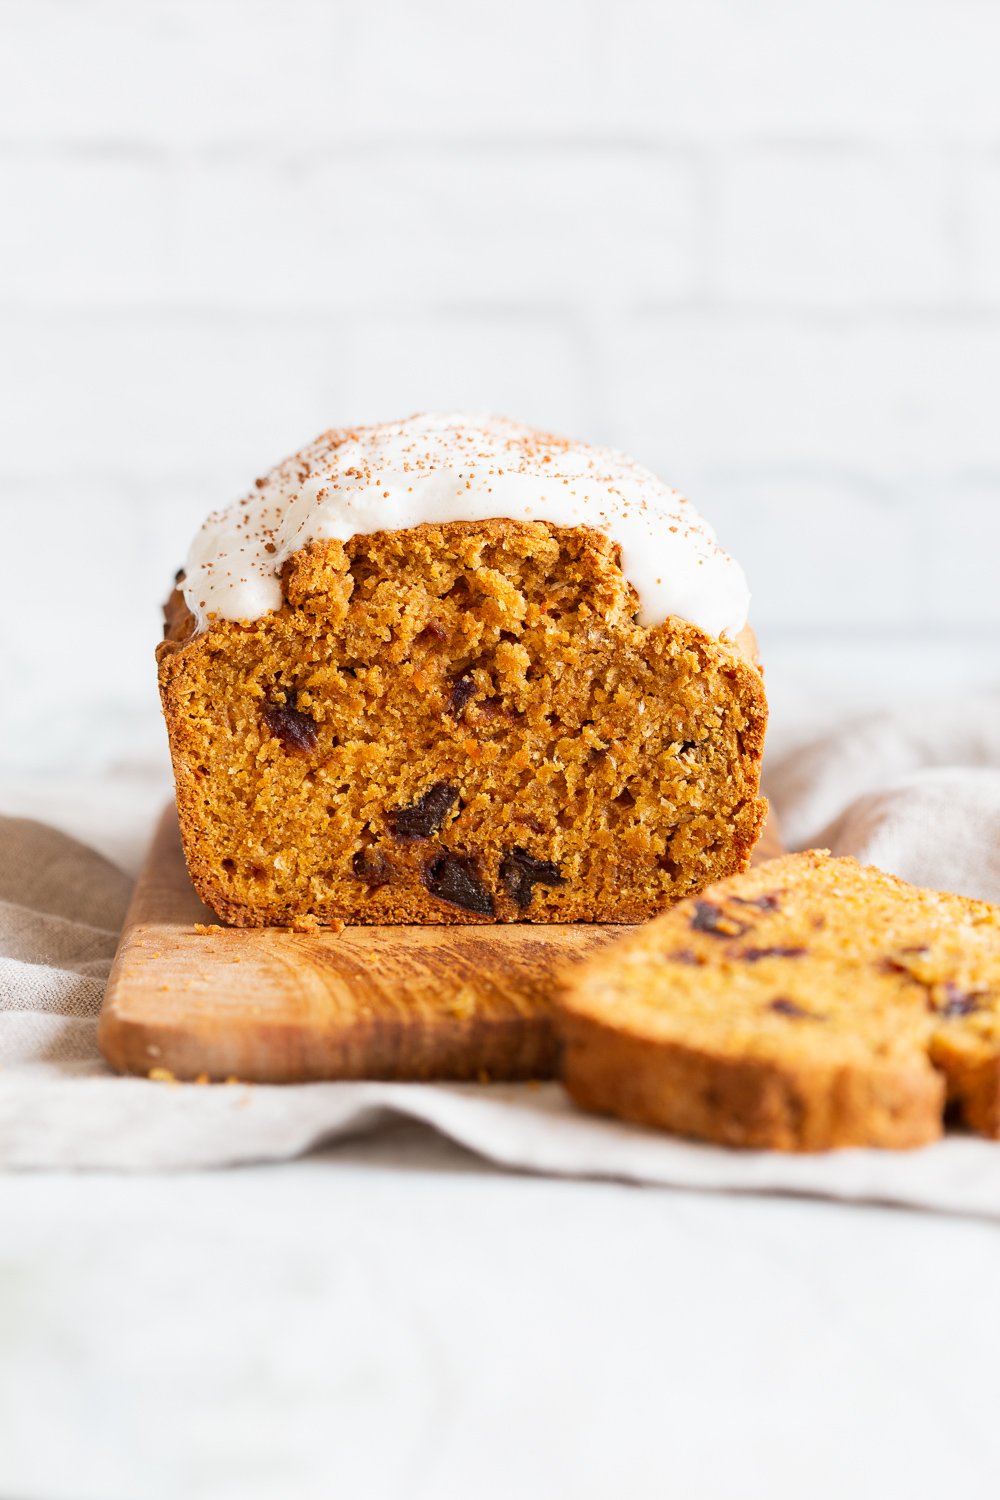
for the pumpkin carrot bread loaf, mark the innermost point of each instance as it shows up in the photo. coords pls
(455, 670)
(810, 1003)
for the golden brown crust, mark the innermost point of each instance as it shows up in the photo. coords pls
(748, 1102)
(812, 1003)
(460, 723)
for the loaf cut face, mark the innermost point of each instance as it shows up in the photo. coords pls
(459, 723)
(810, 1003)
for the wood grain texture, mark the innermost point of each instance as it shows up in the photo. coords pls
(273, 1006)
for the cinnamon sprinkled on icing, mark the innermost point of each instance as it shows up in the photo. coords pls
(437, 468)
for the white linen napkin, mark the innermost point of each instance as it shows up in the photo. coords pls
(916, 792)
(897, 790)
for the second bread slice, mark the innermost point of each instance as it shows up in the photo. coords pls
(809, 1004)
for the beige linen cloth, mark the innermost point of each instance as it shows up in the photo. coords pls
(901, 791)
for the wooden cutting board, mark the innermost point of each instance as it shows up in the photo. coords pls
(193, 1000)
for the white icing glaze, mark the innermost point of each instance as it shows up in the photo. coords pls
(437, 468)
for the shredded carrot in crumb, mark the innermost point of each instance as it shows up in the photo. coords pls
(472, 750)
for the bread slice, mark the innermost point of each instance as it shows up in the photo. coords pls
(808, 1004)
(460, 722)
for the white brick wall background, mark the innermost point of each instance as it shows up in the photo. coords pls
(755, 243)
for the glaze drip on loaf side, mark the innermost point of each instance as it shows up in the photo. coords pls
(436, 468)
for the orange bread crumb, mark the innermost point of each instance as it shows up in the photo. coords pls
(460, 723)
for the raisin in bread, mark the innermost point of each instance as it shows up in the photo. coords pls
(811, 1003)
(461, 720)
